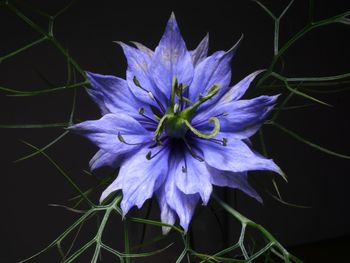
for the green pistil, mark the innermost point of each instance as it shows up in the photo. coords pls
(174, 87)
(189, 112)
(176, 123)
(202, 135)
(160, 129)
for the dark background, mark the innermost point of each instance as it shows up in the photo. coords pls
(87, 30)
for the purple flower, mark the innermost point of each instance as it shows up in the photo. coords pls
(175, 127)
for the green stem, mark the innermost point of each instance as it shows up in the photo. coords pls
(43, 148)
(247, 222)
(311, 79)
(313, 145)
(63, 173)
(126, 239)
(310, 26)
(48, 35)
(98, 237)
(19, 93)
(296, 91)
(3, 58)
(33, 126)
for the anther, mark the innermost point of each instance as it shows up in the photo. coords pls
(137, 83)
(121, 139)
(176, 107)
(222, 142)
(150, 94)
(149, 155)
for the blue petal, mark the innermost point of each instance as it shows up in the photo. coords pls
(167, 215)
(171, 59)
(233, 180)
(238, 119)
(102, 158)
(183, 204)
(235, 157)
(139, 67)
(112, 94)
(201, 51)
(245, 117)
(193, 177)
(139, 178)
(238, 90)
(143, 48)
(104, 133)
(215, 69)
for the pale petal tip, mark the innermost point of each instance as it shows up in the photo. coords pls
(120, 43)
(259, 199)
(284, 176)
(172, 20)
(103, 197)
(278, 170)
(236, 45)
(165, 230)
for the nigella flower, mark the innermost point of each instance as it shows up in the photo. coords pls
(175, 127)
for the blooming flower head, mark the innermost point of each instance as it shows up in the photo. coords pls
(175, 126)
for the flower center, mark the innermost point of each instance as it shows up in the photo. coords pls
(177, 121)
(175, 127)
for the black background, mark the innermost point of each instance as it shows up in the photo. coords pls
(87, 30)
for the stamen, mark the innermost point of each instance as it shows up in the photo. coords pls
(121, 139)
(150, 94)
(210, 135)
(156, 112)
(194, 155)
(222, 142)
(141, 111)
(149, 155)
(153, 146)
(137, 84)
(146, 122)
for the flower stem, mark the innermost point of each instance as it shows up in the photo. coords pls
(126, 239)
